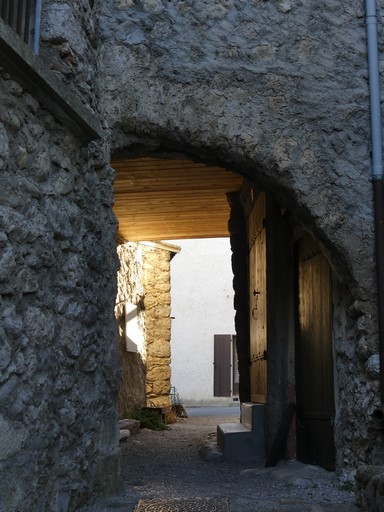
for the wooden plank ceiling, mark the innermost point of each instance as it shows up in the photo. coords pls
(163, 199)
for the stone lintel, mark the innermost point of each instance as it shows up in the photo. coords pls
(17, 58)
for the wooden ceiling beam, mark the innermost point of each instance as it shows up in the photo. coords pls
(158, 199)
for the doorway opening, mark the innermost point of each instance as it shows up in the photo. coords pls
(166, 197)
(161, 201)
(202, 322)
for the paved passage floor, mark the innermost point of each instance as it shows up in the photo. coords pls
(182, 463)
(183, 505)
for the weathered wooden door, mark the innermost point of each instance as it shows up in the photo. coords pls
(258, 300)
(222, 372)
(314, 360)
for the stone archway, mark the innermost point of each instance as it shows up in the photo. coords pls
(344, 318)
(226, 84)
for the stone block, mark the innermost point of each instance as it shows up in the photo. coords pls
(159, 374)
(107, 477)
(132, 425)
(124, 434)
(370, 487)
(12, 436)
(364, 473)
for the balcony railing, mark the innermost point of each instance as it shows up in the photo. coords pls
(24, 17)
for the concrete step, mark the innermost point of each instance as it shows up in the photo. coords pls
(233, 428)
(244, 441)
(239, 444)
(252, 415)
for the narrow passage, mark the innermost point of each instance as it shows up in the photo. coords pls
(168, 464)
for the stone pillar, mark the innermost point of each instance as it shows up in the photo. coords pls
(157, 301)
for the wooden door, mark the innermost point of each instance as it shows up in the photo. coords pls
(314, 360)
(258, 300)
(222, 374)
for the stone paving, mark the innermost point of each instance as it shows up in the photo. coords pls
(184, 505)
(119, 504)
(183, 463)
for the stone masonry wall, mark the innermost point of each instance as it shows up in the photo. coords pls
(157, 300)
(58, 350)
(68, 40)
(144, 279)
(275, 89)
(59, 364)
(133, 364)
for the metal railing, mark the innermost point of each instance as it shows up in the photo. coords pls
(24, 17)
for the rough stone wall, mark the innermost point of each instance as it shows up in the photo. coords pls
(67, 44)
(157, 300)
(356, 380)
(276, 90)
(133, 364)
(59, 361)
(369, 488)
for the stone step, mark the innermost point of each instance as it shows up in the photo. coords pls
(124, 434)
(128, 424)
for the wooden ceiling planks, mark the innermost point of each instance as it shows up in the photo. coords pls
(157, 199)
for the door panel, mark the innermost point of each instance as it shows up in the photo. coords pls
(314, 360)
(258, 301)
(222, 374)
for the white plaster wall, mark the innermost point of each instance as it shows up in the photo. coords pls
(202, 306)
